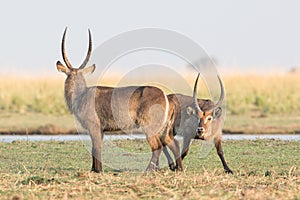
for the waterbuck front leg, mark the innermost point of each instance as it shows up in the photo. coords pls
(169, 158)
(218, 145)
(173, 144)
(185, 149)
(96, 136)
(186, 146)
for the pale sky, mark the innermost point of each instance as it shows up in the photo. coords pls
(246, 36)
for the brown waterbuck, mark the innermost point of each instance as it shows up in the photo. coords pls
(202, 115)
(100, 109)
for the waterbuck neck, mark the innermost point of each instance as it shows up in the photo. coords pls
(75, 87)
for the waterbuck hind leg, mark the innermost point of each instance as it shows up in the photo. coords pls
(156, 147)
(218, 146)
(152, 166)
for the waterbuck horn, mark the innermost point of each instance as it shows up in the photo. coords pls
(64, 52)
(195, 94)
(88, 55)
(218, 104)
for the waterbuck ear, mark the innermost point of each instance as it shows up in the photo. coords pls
(61, 68)
(217, 112)
(90, 69)
(190, 110)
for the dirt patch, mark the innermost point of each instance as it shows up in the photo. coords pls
(48, 129)
(51, 129)
(263, 130)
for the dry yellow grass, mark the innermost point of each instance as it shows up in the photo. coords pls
(35, 95)
(266, 94)
(246, 94)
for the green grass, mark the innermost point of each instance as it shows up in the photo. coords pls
(263, 169)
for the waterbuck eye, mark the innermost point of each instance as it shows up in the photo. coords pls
(209, 118)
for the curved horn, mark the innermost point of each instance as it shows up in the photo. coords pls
(88, 55)
(63, 50)
(218, 104)
(195, 100)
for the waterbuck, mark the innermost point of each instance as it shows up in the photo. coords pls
(100, 109)
(200, 120)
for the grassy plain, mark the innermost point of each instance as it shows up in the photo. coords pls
(254, 104)
(263, 169)
(246, 94)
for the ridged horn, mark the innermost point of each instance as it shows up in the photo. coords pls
(195, 94)
(220, 101)
(63, 50)
(88, 55)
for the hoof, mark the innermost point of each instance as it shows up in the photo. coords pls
(179, 169)
(152, 167)
(96, 170)
(172, 167)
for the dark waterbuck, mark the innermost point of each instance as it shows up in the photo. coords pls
(100, 109)
(203, 115)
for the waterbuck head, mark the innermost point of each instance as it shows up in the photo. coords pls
(75, 74)
(205, 117)
(75, 84)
